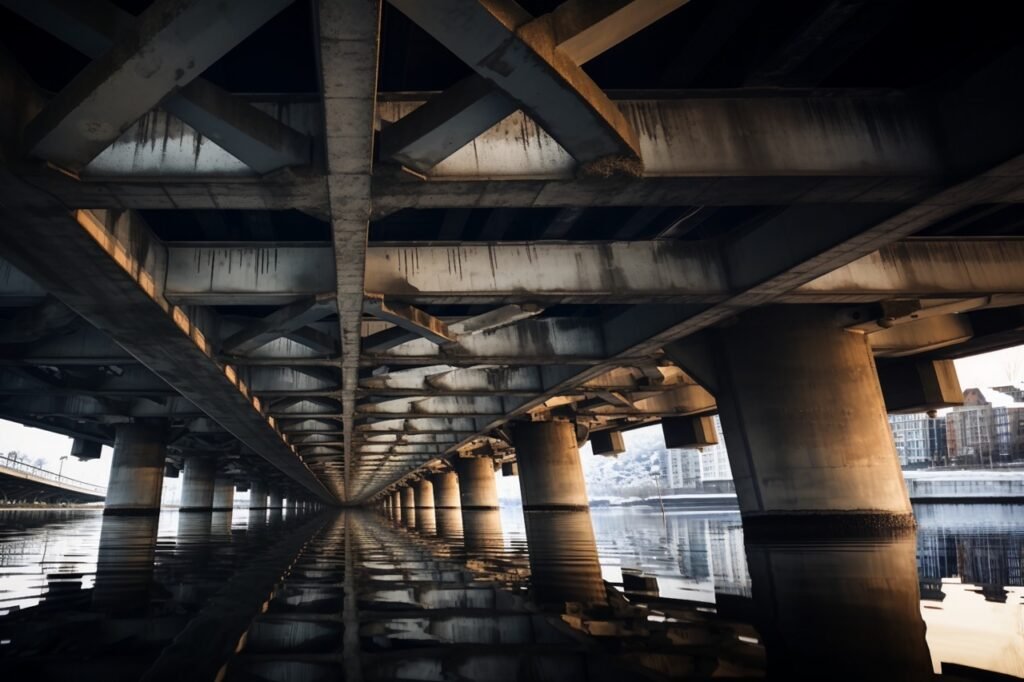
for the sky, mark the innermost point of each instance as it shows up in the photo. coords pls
(991, 369)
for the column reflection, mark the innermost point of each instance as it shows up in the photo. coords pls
(846, 607)
(449, 524)
(426, 520)
(124, 566)
(564, 565)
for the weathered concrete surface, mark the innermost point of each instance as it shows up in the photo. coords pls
(498, 40)
(137, 470)
(797, 446)
(446, 490)
(257, 139)
(348, 48)
(197, 486)
(580, 29)
(477, 486)
(550, 473)
(172, 43)
(626, 272)
(423, 491)
(223, 494)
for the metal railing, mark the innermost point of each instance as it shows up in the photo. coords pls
(64, 481)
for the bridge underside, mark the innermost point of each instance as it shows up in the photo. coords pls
(433, 222)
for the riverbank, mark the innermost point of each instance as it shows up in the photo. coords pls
(922, 486)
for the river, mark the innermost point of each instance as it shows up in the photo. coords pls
(450, 596)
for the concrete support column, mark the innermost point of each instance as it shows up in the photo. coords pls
(564, 564)
(408, 498)
(446, 490)
(257, 495)
(274, 498)
(477, 488)
(423, 493)
(550, 473)
(805, 423)
(223, 494)
(197, 484)
(137, 470)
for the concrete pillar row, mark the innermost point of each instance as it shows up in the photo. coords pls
(550, 473)
(197, 484)
(396, 500)
(258, 495)
(223, 494)
(137, 470)
(477, 487)
(446, 490)
(805, 422)
(423, 493)
(408, 498)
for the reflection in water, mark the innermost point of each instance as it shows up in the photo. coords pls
(461, 595)
(426, 520)
(840, 606)
(124, 567)
(481, 532)
(449, 524)
(563, 557)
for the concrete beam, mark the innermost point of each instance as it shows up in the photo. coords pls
(109, 270)
(581, 30)
(257, 139)
(531, 342)
(281, 322)
(498, 40)
(173, 42)
(407, 317)
(581, 272)
(348, 48)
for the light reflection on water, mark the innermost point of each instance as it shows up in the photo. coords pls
(811, 603)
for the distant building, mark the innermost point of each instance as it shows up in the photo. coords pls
(682, 469)
(920, 440)
(987, 431)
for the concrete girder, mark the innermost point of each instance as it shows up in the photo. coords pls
(461, 405)
(349, 32)
(445, 378)
(600, 272)
(106, 410)
(531, 342)
(921, 336)
(257, 139)
(173, 41)
(407, 317)
(288, 380)
(423, 425)
(281, 322)
(96, 260)
(854, 136)
(582, 29)
(497, 39)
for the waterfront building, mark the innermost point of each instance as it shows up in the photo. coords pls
(704, 469)
(920, 439)
(987, 430)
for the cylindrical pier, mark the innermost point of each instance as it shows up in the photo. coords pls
(446, 490)
(477, 488)
(198, 484)
(137, 470)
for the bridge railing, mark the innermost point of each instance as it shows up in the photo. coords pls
(64, 481)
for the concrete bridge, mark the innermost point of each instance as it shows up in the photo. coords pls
(21, 482)
(352, 252)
